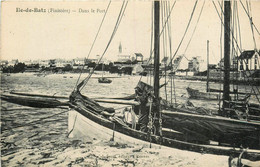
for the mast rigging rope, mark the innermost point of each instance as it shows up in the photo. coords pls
(194, 28)
(186, 30)
(249, 17)
(120, 16)
(150, 57)
(232, 34)
(94, 41)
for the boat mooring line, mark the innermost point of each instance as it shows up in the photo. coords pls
(73, 126)
(113, 137)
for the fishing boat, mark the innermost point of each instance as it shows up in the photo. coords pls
(196, 94)
(155, 122)
(164, 125)
(103, 79)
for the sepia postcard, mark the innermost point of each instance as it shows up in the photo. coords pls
(130, 83)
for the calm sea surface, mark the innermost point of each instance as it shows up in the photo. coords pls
(38, 137)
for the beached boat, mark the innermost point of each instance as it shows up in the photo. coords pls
(88, 121)
(163, 124)
(196, 94)
(172, 127)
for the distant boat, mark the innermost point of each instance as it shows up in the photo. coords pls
(104, 79)
(40, 74)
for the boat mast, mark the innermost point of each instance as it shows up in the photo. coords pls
(207, 65)
(226, 88)
(102, 69)
(156, 47)
(157, 61)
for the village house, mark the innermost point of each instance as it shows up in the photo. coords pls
(61, 63)
(248, 60)
(13, 62)
(78, 63)
(44, 63)
(194, 65)
(165, 61)
(3, 63)
(139, 58)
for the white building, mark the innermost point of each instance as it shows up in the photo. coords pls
(79, 61)
(44, 63)
(13, 62)
(248, 60)
(62, 63)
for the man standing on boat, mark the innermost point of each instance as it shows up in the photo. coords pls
(144, 96)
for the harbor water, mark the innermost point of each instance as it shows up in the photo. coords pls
(39, 136)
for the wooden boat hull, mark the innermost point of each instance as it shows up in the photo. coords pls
(220, 129)
(33, 101)
(195, 94)
(85, 129)
(86, 124)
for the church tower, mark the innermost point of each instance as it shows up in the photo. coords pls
(120, 48)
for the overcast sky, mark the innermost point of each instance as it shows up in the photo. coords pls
(31, 35)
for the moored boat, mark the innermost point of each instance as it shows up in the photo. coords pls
(196, 94)
(104, 80)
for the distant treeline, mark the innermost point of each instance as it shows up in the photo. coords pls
(21, 67)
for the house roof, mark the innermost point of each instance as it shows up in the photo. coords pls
(165, 59)
(247, 54)
(139, 54)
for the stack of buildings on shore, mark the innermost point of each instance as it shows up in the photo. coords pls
(244, 66)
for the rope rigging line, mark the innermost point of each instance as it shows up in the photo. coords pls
(186, 30)
(232, 43)
(151, 46)
(152, 29)
(249, 17)
(238, 22)
(195, 27)
(252, 28)
(170, 45)
(221, 56)
(150, 57)
(235, 86)
(164, 44)
(121, 14)
(93, 42)
(232, 34)
(246, 78)
(241, 61)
